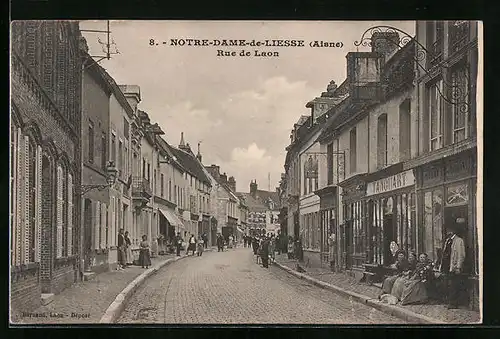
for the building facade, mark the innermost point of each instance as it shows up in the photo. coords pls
(445, 161)
(45, 155)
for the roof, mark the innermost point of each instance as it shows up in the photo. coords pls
(164, 146)
(191, 164)
(261, 200)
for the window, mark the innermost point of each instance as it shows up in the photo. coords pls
(329, 157)
(382, 140)
(32, 202)
(91, 142)
(155, 183)
(352, 150)
(62, 212)
(169, 189)
(125, 162)
(162, 187)
(125, 128)
(404, 130)
(435, 30)
(104, 152)
(176, 194)
(120, 158)
(149, 172)
(459, 34)
(435, 107)
(144, 168)
(460, 93)
(113, 148)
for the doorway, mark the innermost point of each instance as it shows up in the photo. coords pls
(296, 225)
(458, 216)
(87, 222)
(348, 244)
(389, 231)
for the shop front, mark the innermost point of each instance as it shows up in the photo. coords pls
(328, 225)
(391, 214)
(446, 193)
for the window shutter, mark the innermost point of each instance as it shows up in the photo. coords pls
(26, 226)
(103, 226)
(70, 216)
(97, 225)
(38, 202)
(19, 224)
(59, 220)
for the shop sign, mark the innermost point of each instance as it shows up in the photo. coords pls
(391, 183)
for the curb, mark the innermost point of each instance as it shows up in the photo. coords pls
(115, 309)
(395, 311)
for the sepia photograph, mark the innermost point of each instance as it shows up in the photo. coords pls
(181, 172)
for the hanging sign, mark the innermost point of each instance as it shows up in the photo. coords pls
(391, 183)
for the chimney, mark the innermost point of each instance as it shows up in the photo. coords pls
(385, 43)
(182, 145)
(253, 189)
(232, 183)
(223, 178)
(198, 156)
(214, 171)
(132, 94)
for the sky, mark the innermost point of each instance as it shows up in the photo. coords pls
(240, 109)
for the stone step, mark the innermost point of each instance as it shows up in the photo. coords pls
(87, 276)
(47, 298)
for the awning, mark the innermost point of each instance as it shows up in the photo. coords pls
(172, 218)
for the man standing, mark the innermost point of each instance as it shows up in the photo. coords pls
(220, 243)
(264, 253)
(121, 250)
(331, 250)
(205, 240)
(452, 261)
(178, 244)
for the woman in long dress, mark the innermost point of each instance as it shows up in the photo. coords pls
(404, 277)
(144, 256)
(415, 289)
(400, 265)
(128, 250)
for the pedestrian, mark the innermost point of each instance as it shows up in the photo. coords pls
(121, 250)
(220, 243)
(128, 250)
(230, 241)
(201, 243)
(191, 245)
(178, 244)
(264, 253)
(255, 245)
(205, 240)
(331, 250)
(272, 248)
(451, 263)
(144, 253)
(290, 248)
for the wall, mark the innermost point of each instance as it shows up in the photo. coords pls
(362, 147)
(391, 108)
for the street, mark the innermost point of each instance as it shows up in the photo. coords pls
(229, 287)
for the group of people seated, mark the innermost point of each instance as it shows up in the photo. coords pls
(412, 279)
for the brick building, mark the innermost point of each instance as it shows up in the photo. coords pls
(45, 159)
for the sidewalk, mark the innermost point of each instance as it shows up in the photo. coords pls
(87, 302)
(350, 287)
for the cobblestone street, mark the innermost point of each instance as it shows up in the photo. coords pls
(229, 287)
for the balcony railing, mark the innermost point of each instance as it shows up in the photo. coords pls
(436, 53)
(141, 188)
(459, 35)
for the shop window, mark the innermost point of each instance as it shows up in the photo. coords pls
(457, 194)
(382, 141)
(433, 224)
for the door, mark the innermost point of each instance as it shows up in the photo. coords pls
(348, 244)
(389, 236)
(87, 221)
(296, 225)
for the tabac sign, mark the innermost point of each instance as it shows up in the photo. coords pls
(391, 183)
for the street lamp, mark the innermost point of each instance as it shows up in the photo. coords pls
(111, 172)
